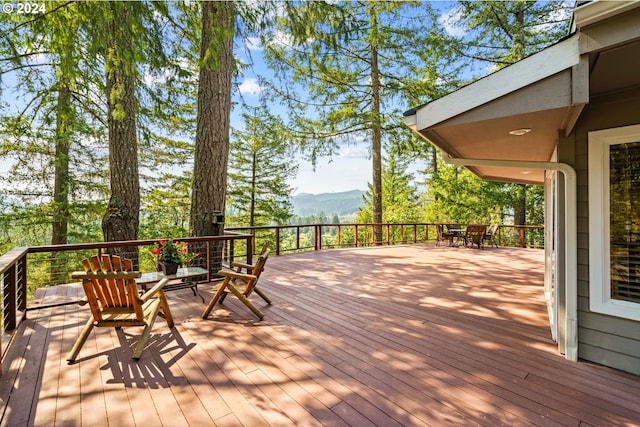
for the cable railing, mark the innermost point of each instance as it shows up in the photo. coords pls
(308, 237)
(23, 270)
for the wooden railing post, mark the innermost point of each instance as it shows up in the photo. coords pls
(318, 237)
(250, 249)
(278, 241)
(355, 242)
(522, 243)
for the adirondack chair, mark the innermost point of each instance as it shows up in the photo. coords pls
(474, 235)
(242, 285)
(113, 297)
(490, 236)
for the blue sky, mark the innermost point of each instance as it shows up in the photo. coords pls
(349, 170)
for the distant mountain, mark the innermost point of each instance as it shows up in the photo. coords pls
(344, 203)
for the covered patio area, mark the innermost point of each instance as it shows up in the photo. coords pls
(380, 336)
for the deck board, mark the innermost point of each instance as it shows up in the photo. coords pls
(407, 336)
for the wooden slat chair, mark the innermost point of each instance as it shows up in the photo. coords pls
(490, 236)
(474, 235)
(238, 266)
(242, 285)
(112, 293)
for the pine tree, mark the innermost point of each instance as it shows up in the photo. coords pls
(344, 69)
(51, 128)
(400, 199)
(260, 165)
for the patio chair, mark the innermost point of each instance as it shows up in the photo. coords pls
(242, 285)
(490, 235)
(113, 297)
(443, 235)
(240, 265)
(474, 235)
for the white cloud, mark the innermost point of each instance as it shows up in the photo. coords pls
(452, 23)
(282, 39)
(250, 87)
(353, 152)
(253, 43)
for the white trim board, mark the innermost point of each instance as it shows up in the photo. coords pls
(539, 66)
(600, 300)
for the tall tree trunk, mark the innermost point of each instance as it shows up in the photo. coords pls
(212, 131)
(254, 183)
(64, 118)
(520, 205)
(61, 176)
(122, 217)
(434, 165)
(376, 132)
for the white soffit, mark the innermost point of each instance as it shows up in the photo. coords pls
(543, 64)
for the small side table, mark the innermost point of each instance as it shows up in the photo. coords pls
(185, 278)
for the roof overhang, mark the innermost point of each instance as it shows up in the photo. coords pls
(544, 93)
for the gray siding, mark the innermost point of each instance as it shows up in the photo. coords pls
(606, 340)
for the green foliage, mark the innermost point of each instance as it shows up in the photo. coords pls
(504, 32)
(400, 200)
(325, 67)
(258, 192)
(165, 208)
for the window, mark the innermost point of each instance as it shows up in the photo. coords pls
(614, 221)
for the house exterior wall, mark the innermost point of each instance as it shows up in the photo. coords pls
(603, 339)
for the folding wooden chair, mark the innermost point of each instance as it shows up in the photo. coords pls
(240, 265)
(114, 300)
(242, 285)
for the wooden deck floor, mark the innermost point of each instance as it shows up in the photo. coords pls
(392, 336)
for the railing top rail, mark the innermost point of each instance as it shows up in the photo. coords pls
(96, 245)
(267, 227)
(8, 259)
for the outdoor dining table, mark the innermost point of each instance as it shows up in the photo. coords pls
(185, 278)
(458, 235)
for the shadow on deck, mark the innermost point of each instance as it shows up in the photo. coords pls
(402, 335)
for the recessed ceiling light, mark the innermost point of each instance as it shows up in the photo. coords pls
(525, 172)
(520, 132)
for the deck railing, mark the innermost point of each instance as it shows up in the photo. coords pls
(24, 269)
(306, 237)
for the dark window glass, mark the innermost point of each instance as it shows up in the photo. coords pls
(624, 193)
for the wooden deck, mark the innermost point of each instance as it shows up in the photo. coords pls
(390, 336)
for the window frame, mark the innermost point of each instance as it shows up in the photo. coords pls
(600, 300)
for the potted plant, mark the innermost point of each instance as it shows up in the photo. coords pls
(172, 254)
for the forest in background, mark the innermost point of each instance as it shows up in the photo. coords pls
(92, 92)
